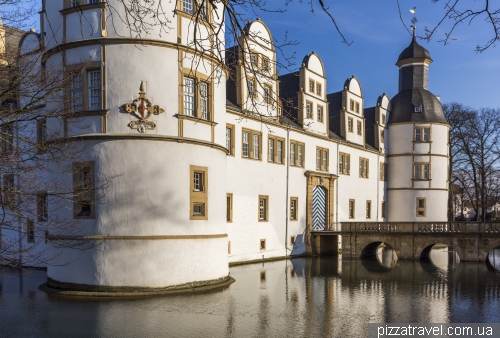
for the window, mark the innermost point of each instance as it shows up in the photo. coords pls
(229, 208)
(311, 86)
(350, 125)
(292, 240)
(94, 89)
(422, 134)
(265, 63)
(254, 60)
(351, 105)
(420, 207)
(418, 109)
(320, 113)
(383, 209)
(357, 107)
(9, 194)
(251, 88)
(275, 151)
(30, 231)
(77, 92)
(382, 176)
(263, 208)
(352, 211)
(344, 163)
(198, 191)
(83, 190)
(43, 207)
(195, 7)
(41, 130)
(363, 167)
(381, 136)
(318, 89)
(309, 110)
(228, 247)
(321, 159)
(262, 247)
(7, 138)
(251, 144)
(368, 209)
(294, 201)
(421, 171)
(188, 6)
(268, 94)
(359, 128)
(383, 119)
(192, 107)
(230, 139)
(296, 153)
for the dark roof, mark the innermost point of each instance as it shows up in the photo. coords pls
(414, 50)
(231, 59)
(289, 86)
(404, 103)
(369, 126)
(335, 106)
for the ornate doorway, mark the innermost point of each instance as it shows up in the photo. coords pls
(319, 207)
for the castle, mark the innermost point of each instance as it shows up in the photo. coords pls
(216, 161)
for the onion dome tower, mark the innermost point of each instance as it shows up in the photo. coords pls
(418, 144)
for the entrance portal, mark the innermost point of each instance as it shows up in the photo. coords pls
(319, 208)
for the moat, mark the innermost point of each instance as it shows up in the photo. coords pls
(319, 296)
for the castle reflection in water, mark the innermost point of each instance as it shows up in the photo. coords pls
(324, 296)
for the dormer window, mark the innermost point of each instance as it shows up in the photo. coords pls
(418, 109)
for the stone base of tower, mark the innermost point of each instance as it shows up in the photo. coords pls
(158, 264)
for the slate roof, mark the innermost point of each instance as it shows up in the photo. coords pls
(335, 101)
(369, 126)
(414, 50)
(404, 103)
(289, 86)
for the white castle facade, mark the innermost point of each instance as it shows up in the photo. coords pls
(221, 161)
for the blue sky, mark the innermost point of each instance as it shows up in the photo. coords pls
(458, 73)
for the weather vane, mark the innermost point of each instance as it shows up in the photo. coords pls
(414, 20)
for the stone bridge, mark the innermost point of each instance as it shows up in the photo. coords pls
(470, 241)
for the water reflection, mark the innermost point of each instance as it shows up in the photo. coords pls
(324, 296)
(438, 257)
(379, 257)
(494, 259)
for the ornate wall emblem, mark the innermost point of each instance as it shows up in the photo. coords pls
(142, 108)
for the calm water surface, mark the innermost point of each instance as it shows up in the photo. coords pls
(305, 297)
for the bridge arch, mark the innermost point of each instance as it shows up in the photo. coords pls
(379, 256)
(440, 259)
(493, 258)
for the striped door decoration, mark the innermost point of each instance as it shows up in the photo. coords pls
(319, 208)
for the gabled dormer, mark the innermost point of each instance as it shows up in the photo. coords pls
(252, 83)
(347, 112)
(375, 122)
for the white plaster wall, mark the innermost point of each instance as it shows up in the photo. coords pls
(87, 125)
(142, 263)
(402, 207)
(83, 25)
(313, 125)
(315, 65)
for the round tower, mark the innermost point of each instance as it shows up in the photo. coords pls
(418, 136)
(149, 190)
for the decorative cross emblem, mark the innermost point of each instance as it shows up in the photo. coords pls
(142, 108)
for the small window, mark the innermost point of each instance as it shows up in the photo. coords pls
(43, 207)
(265, 64)
(296, 153)
(352, 209)
(357, 107)
(262, 273)
(267, 94)
(254, 60)
(228, 247)
(198, 209)
(309, 110)
(94, 89)
(198, 181)
(30, 231)
(85, 209)
(418, 110)
(263, 247)
(188, 6)
(381, 136)
(383, 209)
(8, 138)
(256, 147)
(203, 100)
(321, 159)
(382, 172)
(320, 114)
(189, 98)
(41, 131)
(368, 209)
(383, 119)
(421, 171)
(263, 208)
(246, 143)
(270, 150)
(311, 86)
(83, 189)
(344, 163)
(422, 134)
(351, 105)
(230, 139)
(350, 125)
(9, 195)
(293, 208)
(251, 147)
(77, 92)
(279, 151)
(229, 208)
(318, 89)
(251, 87)
(292, 240)
(198, 193)
(292, 154)
(363, 167)
(359, 128)
(420, 207)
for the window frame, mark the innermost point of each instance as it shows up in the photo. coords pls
(9, 188)
(309, 110)
(231, 129)
(422, 133)
(229, 207)
(421, 171)
(298, 155)
(83, 190)
(324, 162)
(252, 94)
(42, 206)
(345, 163)
(294, 203)
(318, 89)
(359, 128)
(198, 79)
(364, 167)
(352, 209)
(419, 208)
(30, 231)
(350, 125)
(7, 138)
(276, 158)
(383, 212)
(83, 71)
(251, 154)
(263, 217)
(319, 113)
(198, 197)
(368, 209)
(312, 84)
(382, 173)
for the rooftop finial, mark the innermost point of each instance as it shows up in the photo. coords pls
(414, 20)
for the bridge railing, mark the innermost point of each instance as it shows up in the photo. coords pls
(420, 227)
